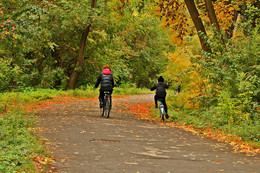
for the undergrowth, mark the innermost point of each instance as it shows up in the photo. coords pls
(246, 129)
(18, 143)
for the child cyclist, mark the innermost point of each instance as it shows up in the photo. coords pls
(160, 93)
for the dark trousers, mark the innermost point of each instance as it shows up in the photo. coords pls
(156, 98)
(102, 94)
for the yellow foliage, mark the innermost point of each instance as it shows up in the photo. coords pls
(175, 39)
(175, 16)
(193, 84)
(225, 11)
(179, 61)
(179, 71)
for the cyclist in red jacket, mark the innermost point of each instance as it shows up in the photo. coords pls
(106, 81)
(160, 93)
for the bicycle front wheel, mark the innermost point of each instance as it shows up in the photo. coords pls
(162, 111)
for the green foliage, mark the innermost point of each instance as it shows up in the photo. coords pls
(236, 73)
(53, 78)
(132, 44)
(43, 41)
(17, 144)
(8, 74)
(130, 89)
(250, 18)
(149, 44)
(29, 47)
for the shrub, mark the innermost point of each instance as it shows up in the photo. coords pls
(8, 75)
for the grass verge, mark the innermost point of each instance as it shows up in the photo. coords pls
(18, 143)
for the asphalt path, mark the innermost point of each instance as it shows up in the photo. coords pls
(81, 141)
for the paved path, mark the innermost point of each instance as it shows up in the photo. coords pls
(83, 142)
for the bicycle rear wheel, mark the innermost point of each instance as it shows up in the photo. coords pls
(107, 107)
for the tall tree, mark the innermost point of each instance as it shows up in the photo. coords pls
(80, 61)
(198, 24)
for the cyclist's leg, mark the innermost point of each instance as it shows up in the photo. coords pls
(111, 91)
(164, 103)
(165, 107)
(156, 101)
(101, 98)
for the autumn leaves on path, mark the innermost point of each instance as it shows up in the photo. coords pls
(82, 141)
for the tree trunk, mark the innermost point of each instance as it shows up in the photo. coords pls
(213, 18)
(198, 23)
(212, 15)
(80, 61)
(231, 29)
(234, 33)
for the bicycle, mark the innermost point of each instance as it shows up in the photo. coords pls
(161, 109)
(105, 111)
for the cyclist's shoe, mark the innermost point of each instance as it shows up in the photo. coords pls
(156, 106)
(167, 116)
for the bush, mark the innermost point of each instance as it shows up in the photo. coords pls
(53, 78)
(8, 75)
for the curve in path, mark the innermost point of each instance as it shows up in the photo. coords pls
(83, 141)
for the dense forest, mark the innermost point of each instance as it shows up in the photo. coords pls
(64, 44)
(56, 49)
(209, 48)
